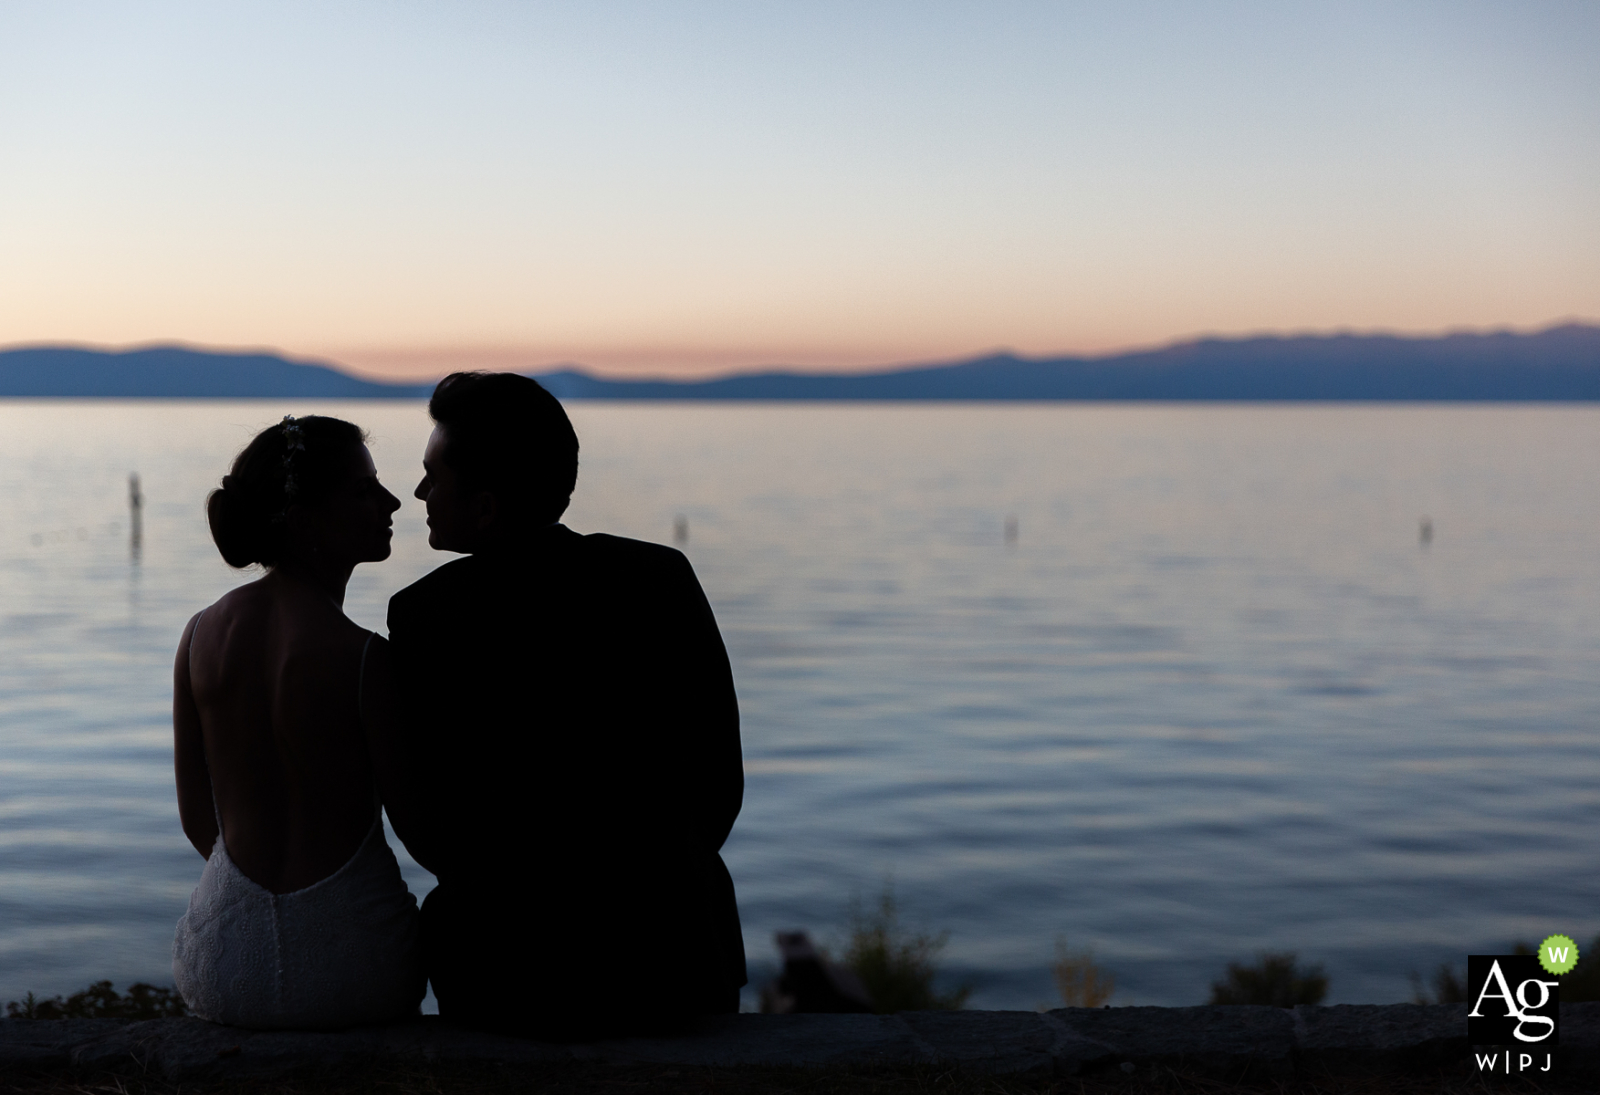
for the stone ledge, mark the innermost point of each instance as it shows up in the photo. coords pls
(1068, 1041)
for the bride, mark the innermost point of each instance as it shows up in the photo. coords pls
(301, 918)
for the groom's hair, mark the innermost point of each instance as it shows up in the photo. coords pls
(505, 434)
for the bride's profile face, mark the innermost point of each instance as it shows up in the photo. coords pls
(355, 521)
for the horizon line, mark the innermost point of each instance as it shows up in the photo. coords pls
(902, 365)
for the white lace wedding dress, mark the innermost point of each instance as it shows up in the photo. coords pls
(342, 952)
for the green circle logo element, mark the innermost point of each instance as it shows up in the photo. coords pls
(1558, 954)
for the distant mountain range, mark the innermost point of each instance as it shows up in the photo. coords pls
(1562, 363)
(178, 372)
(1558, 364)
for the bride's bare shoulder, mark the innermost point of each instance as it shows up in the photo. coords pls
(240, 603)
(276, 614)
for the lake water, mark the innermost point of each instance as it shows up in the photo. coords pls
(1216, 697)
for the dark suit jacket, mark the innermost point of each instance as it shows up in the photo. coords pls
(576, 737)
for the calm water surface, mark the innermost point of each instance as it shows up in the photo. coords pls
(1216, 698)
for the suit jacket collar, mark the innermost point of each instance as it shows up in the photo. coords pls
(536, 544)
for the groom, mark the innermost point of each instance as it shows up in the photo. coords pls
(574, 739)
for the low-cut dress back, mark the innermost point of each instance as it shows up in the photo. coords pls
(341, 952)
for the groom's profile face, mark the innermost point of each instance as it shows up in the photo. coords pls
(460, 517)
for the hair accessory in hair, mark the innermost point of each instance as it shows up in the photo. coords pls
(293, 442)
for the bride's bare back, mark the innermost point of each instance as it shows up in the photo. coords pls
(267, 716)
(272, 672)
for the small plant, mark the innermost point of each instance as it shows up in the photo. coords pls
(1448, 988)
(897, 969)
(1582, 982)
(1082, 984)
(1276, 980)
(101, 1001)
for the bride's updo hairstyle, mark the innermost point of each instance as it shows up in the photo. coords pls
(291, 463)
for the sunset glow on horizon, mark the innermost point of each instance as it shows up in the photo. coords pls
(705, 188)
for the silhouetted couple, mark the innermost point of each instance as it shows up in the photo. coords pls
(551, 726)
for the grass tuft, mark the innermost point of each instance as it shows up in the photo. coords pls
(1582, 982)
(101, 1001)
(897, 968)
(1082, 984)
(1275, 980)
(1448, 987)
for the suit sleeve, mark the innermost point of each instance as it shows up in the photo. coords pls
(700, 684)
(416, 659)
(416, 713)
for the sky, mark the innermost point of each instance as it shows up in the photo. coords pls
(692, 188)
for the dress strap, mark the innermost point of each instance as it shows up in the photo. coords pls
(216, 811)
(198, 616)
(361, 690)
(361, 676)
